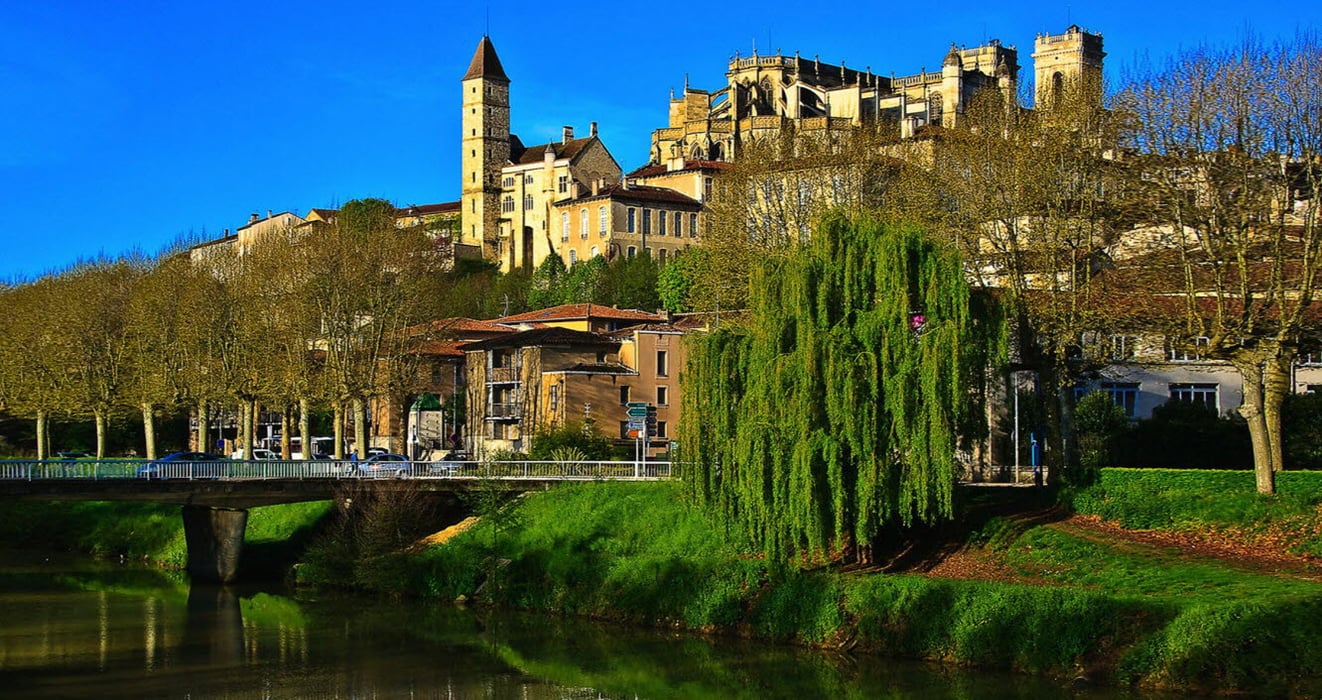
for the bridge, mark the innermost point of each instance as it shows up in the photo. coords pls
(216, 496)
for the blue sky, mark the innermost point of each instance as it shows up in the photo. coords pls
(129, 124)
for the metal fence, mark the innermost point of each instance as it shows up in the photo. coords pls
(31, 470)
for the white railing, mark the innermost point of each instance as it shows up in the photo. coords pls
(531, 470)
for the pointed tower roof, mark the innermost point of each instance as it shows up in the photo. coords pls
(485, 63)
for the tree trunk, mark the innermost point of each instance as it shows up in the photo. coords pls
(43, 448)
(1276, 385)
(245, 429)
(100, 434)
(305, 429)
(1252, 410)
(149, 430)
(203, 428)
(286, 428)
(360, 427)
(339, 429)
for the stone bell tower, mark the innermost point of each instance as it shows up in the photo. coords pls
(486, 144)
(1064, 62)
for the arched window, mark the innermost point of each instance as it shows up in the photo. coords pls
(564, 226)
(583, 223)
(1057, 86)
(573, 256)
(935, 108)
(595, 251)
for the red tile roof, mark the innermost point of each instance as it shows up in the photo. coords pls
(575, 312)
(424, 209)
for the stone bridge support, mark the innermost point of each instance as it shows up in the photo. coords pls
(215, 541)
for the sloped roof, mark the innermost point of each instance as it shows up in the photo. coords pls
(662, 168)
(543, 337)
(595, 368)
(485, 64)
(424, 209)
(642, 193)
(562, 149)
(575, 312)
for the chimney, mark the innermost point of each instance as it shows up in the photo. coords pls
(254, 218)
(567, 134)
(270, 214)
(592, 129)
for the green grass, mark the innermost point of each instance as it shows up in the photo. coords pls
(636, 552)
(148, 531)
(1188, 499)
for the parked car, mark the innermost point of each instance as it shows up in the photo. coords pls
(374, 451)
(386, 464)
(257, 453)
(451, 464)
(184, 465)
(71, 455)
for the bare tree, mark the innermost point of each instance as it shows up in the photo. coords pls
(1227, 167)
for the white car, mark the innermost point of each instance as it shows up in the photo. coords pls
(257, 453)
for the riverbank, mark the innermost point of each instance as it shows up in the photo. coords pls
(1213, 588)
(1029, 588)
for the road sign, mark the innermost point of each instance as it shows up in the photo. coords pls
(636, 423)
(635, 434)
(636, 404)
(637, 411)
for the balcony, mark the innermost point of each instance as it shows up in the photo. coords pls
(502, 375)
(504, 411)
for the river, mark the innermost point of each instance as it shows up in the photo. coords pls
(72, 627)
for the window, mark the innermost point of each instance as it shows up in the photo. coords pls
(661, 255)
(706, 188)
(693, 225)
(661, 223)
(601, 357)
(527, 202)
(647, 221)
(595, 251)
(507, 204)
(663, 396)
(1189, 352)
(679, 225)
(1124, 395)
(1122, 347)
(624, 429)
(632, 221)
(660, 429)
(601, 221)
(662, 364)
(562, 184)
(583, 223)
(1203, 394)
(555, 397)
(573, 257)
(564, 226)
(527, 179)
(508, 182)
(632, 251)
(624, 395)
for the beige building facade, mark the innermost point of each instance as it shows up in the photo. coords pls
(765, 95)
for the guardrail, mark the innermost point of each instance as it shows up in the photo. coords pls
(586, 470)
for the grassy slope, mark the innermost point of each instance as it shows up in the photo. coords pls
(145, 531)
(635, 552)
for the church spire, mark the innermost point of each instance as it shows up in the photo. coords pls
(485, 63)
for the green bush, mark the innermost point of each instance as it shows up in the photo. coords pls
(1186, 435)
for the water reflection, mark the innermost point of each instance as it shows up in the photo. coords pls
(70, 629)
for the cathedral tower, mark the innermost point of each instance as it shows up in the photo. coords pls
(486, 144)
(1069, 61)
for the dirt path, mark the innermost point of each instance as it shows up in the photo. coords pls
(1254, 555)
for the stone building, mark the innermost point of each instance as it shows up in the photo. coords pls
(509, 189)
(765, 95)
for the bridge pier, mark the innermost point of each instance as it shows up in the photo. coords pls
(215, 541)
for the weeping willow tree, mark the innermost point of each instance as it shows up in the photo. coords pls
(834, 412)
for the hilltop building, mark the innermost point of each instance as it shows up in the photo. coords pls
(765, 95)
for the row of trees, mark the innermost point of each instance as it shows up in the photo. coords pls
(1185, 208)
(321, 318)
